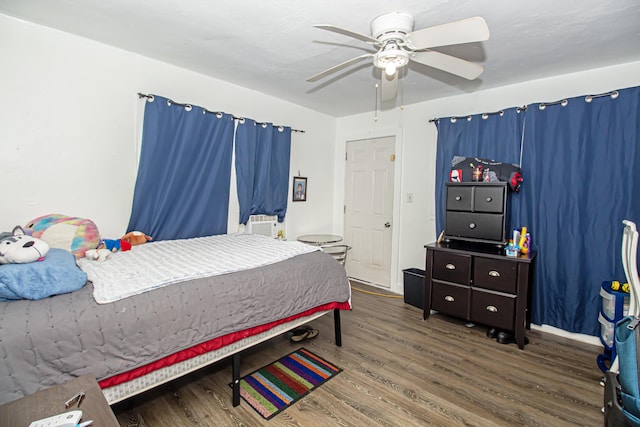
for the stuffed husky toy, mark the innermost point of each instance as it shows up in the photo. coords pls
(18, 248)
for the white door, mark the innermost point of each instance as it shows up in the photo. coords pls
(369, 209)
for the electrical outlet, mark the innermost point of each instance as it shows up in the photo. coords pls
(409, 197)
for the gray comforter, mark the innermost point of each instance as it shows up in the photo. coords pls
(47, 342)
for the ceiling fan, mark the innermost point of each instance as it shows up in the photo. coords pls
(396, 43)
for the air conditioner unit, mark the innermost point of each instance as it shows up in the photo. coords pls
(265, 225)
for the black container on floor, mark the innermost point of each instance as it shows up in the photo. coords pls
(414, 287)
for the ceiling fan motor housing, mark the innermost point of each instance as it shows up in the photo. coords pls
(394, 25)
(390, 30)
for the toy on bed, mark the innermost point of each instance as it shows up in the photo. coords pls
(74, 234)
(136, 238)
(106, 248)
(18, 248)
(98, 254)
(114, 245)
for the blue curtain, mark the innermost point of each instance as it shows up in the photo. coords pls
(578, 166)
(495, 136)
(182, 187)
(262, 169)
(579, 184)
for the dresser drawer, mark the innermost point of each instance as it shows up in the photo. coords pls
(459, 198)
(474, 225)
(452, 267)
(493, 309)
(451, 299)
(489, 199)
(495, 274)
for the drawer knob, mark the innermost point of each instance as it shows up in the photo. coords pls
(472, 225)
(458, 198)
(492, 308)
(449, 298)
(489, 199)
(494, 273)
(450, 267)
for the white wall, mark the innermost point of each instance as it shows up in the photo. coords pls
(415, 222)
(70, 118)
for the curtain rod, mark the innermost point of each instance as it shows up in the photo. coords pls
(588, 98)
(484, 115)
(142, 95)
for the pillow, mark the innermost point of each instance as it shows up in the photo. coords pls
(56, 274)
(74, 234)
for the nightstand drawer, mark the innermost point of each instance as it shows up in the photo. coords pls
(495, 274)
(486, 226)
(493, 309)
(459, 198)
(452, 267)
(489, 199)
(451, 299)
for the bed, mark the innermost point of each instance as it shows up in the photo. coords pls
(143, 340)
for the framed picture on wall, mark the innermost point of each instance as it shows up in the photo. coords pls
(299, 189)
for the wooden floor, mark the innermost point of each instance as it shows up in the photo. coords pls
(400, 371)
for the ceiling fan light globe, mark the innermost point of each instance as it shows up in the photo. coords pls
(390, 69)
(391, 60)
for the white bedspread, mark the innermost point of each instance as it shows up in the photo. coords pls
(156, 264)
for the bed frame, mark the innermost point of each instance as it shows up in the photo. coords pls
(164, 375)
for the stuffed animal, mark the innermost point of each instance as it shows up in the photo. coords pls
(18, 248)
(65, 232)
(114, 245)
(136, 238)
(97, 254)
(106, 248)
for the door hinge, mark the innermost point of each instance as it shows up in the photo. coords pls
(345, 156)
(392, 157)
(345, 209)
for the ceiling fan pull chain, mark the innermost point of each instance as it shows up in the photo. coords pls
(375, 115)
(402, 71)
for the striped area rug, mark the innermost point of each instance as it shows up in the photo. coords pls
(273, 388)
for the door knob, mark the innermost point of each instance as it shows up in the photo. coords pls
(387, 224)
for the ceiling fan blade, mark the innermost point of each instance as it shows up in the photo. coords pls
(389, 86)
(465, 31)
(339, 67)
(349, 33)
(448, 63)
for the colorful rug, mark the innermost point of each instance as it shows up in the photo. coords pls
(275, 387)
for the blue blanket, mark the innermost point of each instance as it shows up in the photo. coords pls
(56, 274)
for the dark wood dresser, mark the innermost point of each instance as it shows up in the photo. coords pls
(477, 211)
(480, 284)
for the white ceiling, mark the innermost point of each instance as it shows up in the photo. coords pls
(271, 46)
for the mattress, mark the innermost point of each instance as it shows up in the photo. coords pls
(47, 342)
